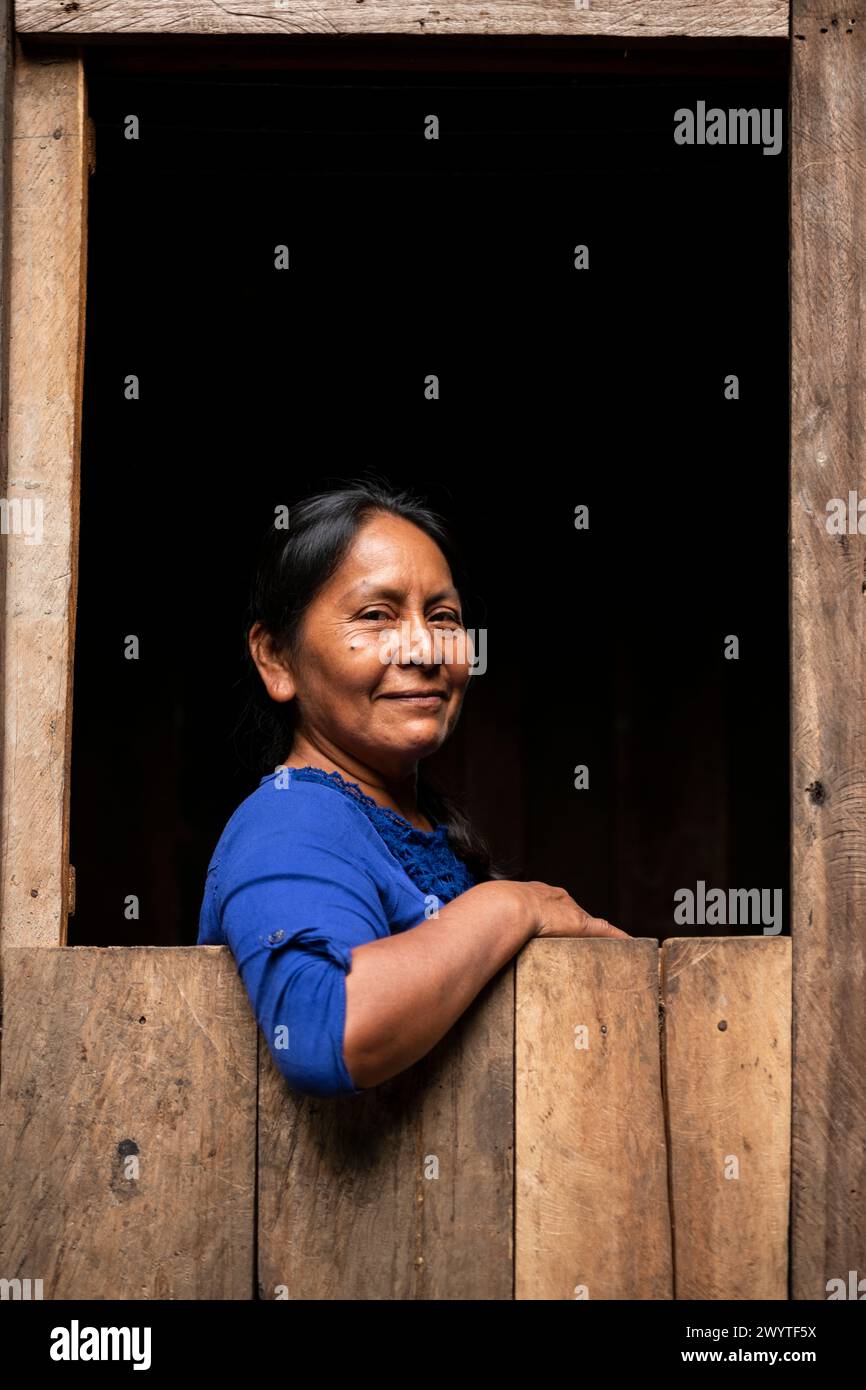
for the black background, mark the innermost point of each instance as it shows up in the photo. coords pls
(558, 387)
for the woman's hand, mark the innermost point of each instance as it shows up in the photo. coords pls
(555, 913)
(405, 990)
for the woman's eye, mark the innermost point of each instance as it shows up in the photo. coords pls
(445, 616)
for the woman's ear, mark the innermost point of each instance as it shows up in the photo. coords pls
(271, 666)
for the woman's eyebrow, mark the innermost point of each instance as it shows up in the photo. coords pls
(370, 591)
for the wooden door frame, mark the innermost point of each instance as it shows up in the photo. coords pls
(42, 335)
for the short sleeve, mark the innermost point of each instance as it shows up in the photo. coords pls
(294, 895)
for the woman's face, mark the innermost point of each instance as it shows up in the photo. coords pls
(392, 597)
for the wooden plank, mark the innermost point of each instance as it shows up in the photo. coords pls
(48, 274)
(828, 648)
(623, 18)
(404, 1192)
(592, 1217)
(727, 1068)
(116, 1056)
(6, 77)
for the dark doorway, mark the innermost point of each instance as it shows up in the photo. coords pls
(559, 387)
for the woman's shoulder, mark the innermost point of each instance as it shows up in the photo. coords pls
(297, 833)
(310, 812)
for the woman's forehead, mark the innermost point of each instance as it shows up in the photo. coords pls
(400, 559)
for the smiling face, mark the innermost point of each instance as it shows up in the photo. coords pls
(392, 595)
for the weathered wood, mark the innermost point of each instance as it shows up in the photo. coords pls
(727, 1070)
(828, 648)
(624, 18)
(116, 1057)
(404, 1193)
(6, 77)
(592, 1218)
(5, 202)
(48, 276)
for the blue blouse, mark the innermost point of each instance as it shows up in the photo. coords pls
(307, 868)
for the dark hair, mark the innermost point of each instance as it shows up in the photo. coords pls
(292, 566)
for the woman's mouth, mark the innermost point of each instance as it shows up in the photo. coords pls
(423, 701)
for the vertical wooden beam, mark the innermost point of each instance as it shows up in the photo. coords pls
(592, 1216)
(5, 189)
(48, 278)
(401, 1193)
(828, 645)
(128, 1123)
(727, 1069)
(5, 215)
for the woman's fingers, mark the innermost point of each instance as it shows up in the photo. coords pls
(597, 926)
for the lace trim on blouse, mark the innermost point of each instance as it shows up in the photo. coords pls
(425, 855)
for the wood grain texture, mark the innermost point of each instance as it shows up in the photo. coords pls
(727, 1069)
(5, 191)
(48, 275)
(625, 18)
(401, 1193)
(592, 1216)
(828, 649)
(5, 217)
(120, 1053)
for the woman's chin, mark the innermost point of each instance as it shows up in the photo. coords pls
(422, 745)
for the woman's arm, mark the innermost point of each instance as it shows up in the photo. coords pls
(404, 992)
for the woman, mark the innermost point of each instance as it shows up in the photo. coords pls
(359, 904)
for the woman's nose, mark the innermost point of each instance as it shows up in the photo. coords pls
(416, 643)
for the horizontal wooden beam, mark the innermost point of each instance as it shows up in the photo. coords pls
(133, 19)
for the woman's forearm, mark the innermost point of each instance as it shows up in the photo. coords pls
(404, 992)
